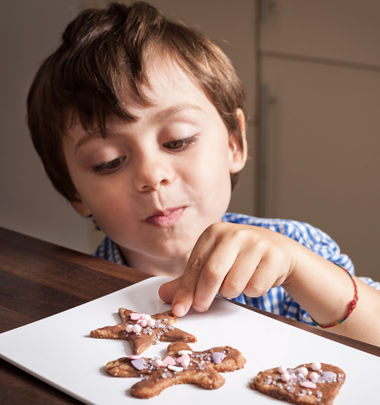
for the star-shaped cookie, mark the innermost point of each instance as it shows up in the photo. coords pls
(144, 330)
(180, 366)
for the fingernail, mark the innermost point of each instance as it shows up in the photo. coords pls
(178, 310)
(199, 309)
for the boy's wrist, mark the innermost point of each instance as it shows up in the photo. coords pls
(296, 251)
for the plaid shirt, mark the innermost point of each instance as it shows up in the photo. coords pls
(276, 300)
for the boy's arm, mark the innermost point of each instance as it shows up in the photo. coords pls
(232, 259)
(325, 291)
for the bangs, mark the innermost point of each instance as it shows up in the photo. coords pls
(97, 85)
(98, 68)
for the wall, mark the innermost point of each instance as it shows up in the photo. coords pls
(29, 31)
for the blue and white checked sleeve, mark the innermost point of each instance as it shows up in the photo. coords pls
(277, 300)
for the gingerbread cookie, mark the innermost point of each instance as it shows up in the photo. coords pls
(143, 330)
(180, 366)
(311, 383)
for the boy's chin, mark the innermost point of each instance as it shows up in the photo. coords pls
(173, 255)
(159, 254)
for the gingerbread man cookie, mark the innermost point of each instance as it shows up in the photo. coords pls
(180, 366)
(143, 330)
(312, 383)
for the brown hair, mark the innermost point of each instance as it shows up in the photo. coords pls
(100, 60)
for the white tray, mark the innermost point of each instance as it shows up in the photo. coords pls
(58, 351)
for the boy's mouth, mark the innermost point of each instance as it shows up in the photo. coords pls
(166, 218)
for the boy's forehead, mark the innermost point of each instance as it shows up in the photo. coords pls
(114, 123)
(166, 78)
(170, 90)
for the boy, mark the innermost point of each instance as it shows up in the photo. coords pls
(139, 123)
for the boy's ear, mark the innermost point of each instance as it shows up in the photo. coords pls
(238, 147)
(81, 208)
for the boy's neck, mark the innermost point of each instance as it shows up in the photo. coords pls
(155, 267)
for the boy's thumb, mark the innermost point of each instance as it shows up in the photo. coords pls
(168, 290)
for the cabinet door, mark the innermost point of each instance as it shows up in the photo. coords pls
(334, 30)
(323, 143)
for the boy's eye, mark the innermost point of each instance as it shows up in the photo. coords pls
(179, 144)
(109, 167)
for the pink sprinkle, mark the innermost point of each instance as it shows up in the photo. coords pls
(218, 357)
(135, 316)
(138, 364)
(184, 360)
(314, 376)
(129, 328)
(158, 363)
(168, 361)
(307, 384)
(329, 376)
(285, 377)
(303, 371)
(136, 328)
(175, 368)
(151, 323)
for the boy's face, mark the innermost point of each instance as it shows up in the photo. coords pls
(154, 185)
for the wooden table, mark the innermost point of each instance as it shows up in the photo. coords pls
(39, 279)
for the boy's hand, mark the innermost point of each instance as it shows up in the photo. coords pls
(230, 259)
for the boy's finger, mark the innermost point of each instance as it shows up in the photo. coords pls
(213, 273)
(183, 297)
(168, 290)
(263, 278)
(240, 273)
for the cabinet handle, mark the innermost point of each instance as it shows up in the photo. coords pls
(267, 9)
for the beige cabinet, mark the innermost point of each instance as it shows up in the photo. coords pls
(320, 120)
(328, 30)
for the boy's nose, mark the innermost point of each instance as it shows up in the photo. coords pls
(149, 176)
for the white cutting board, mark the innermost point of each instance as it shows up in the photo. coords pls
(58, 351)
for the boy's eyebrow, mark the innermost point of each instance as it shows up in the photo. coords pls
(160, 116)
(174, 110)
(89, 135)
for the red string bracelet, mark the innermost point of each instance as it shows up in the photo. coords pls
(351, 306)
